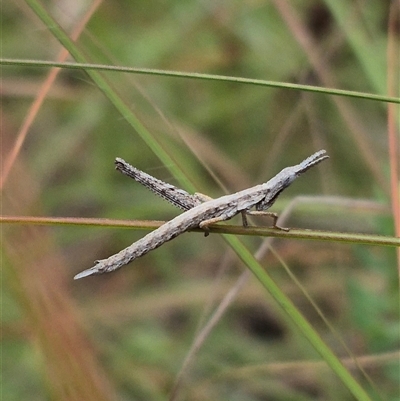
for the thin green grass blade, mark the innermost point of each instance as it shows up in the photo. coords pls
(113, 97)
(286, 304)
(207, 77)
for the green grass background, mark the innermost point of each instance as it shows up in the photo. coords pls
(126, 335)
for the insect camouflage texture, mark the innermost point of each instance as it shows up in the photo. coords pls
(200, 210)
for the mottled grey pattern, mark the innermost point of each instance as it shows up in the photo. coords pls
(178, 197)
(201, 215)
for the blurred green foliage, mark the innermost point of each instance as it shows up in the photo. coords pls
(142, 320)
